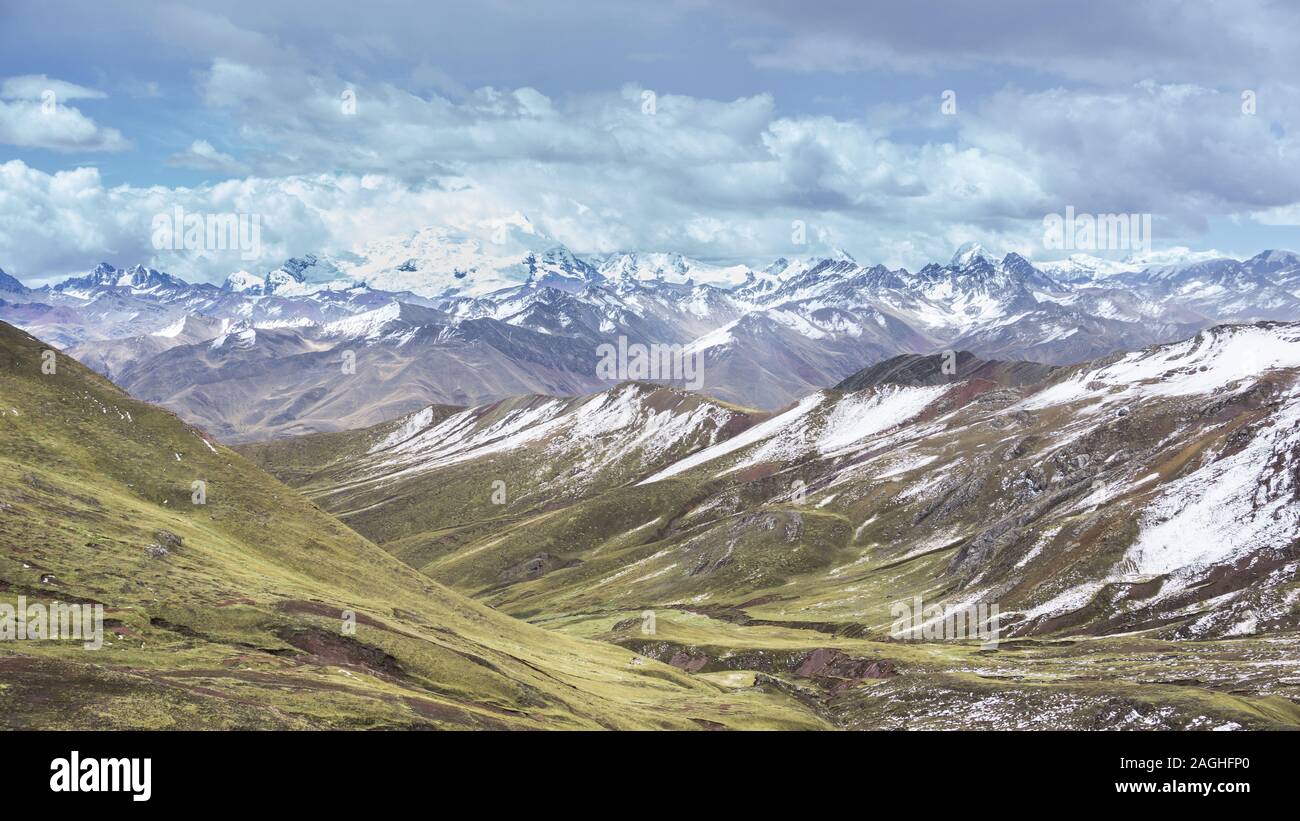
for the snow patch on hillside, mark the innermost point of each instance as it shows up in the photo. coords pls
(1226, 507)
(1207, 362)
(614, 425)
(865, 413)
(758, 433)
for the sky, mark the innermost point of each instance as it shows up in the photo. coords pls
(730, 131)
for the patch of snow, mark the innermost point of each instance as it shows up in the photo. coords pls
(863, 414)
(755, 434)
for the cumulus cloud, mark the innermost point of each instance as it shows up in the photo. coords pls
(1116, 107)
(52, 225)
(631, 168)
(1186, 153)
(606, 171)
(33, 114)
(202, 155)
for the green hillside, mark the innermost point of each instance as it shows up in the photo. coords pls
(229, 614)
(751, 586)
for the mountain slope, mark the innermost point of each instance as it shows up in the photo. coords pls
(468, 319)
(254, 382)
(230, 614)
(1145, 501)
(915, 370)
(445, 470)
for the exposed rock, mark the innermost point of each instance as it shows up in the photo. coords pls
(168, 540)
(836, 670)
(534, 568)
(688, 662)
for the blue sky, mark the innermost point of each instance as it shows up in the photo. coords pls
(765, 113)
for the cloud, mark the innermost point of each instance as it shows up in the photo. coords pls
(720, 179)
(55, 224)
(1183, 152)
(59, 128)
(39, 87)
(427, 76)
(1101, 42)
(203, 156)
(338, 129)
(33, 115)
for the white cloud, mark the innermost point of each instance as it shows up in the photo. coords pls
(33, 114)
(39, 86)
(52, 225)
(202, 155)
(715, 179)
(1183, 152)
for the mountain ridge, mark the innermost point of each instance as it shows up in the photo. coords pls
(767, 338)
(233, 612)
(1138, 507)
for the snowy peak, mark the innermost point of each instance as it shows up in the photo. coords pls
(10, 284)
(557, 267)
(102, 274)
(192, 328)
(239, 335)
(242, 282)
(1085, 268)
(1022, 270)
(394, 322)
(1274, 262)
(968, 253)
(777, 267)
(137, 278)
(296, 277)
(442, 262)
(632, 268)
(297, 272)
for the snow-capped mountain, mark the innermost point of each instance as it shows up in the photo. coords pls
(1085, 268)
(630, 269)
(442, 262)
(766, 335)
(298, 276)
(10, 285)
(136, 281)
(968, 252)
(1149, 492)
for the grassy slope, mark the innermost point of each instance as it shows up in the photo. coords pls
(240, 626)
(764, 587)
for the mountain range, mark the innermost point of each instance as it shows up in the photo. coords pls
(1135, 517)
(439, 318)
(1106, 455)
(254, 608)
(648, 557)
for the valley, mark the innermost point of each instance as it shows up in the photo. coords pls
(311, 502)
(1134, 518)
